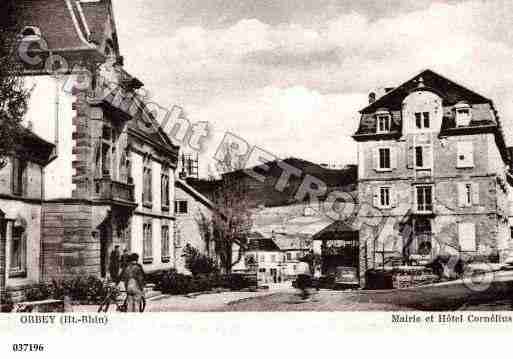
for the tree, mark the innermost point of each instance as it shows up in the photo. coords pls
(14, 95)
(13, 102)
(231, 218)
(231, 221)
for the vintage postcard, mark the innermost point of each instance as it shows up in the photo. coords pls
(242, 156)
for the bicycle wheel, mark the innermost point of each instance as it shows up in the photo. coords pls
(104, 306)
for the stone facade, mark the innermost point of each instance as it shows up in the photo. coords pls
(93, 188)
(433, 181)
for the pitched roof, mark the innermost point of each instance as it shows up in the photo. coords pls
(450, 92)
(60, 22)
(260, 243)
(183, 185)
(337, 227)
(37, 148)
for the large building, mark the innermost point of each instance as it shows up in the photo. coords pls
(112, 179)
(432, 173)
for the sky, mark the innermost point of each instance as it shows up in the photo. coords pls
(290, 76)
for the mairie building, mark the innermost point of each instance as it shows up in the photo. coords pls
(433, 175)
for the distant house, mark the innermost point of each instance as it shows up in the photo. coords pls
(264, 257)
(193, 216)
(294, 248)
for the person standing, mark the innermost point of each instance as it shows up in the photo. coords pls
(114, 263)
(133, 278)
(125, 258)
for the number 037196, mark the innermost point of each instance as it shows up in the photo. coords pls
(28, 347)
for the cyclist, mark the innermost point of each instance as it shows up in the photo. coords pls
(133, 278)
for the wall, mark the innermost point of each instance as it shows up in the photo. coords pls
(189, 226)
(31, 215)
(71, 246)
(48, 95)
(155, 215)
(31, 182)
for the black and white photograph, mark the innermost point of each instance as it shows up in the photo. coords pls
(242, 156)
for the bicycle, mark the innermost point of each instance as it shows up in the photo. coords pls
(113, 296)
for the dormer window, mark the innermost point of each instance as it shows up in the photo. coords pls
(30, 33)
(463, 114)
(384, 122)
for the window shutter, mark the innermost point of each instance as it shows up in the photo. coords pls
(393, 197)
(15, 172)
(393, 157)
(467, 236)
(410, 153)
(375, 159)
(428, 156)
(475, 193)
(376, 198)
(461, 194)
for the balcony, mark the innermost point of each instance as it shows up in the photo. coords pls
(106, 189)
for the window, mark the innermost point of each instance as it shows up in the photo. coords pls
(468, 194)
(262, 258)
(467, 236)
(18, 176)
(261, 270)
(147, 182)
(422, 120)
(423, 157)
(384, 123)
(181, 207)
(423, 234)
(384, 196)
(18, 252)
(164, 189)
(384, 158)
(273, 258)
(424, 198)
(165, 244)
(298, 255)
(289, 256)
(419, 158)
(463, 114)
(465, 155)
(147, 243)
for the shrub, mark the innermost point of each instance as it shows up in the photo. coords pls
(198, 263)
(155, 277)
(236, 281)
(41, 291)
(6, 303)
(173, 282)
(83, 289)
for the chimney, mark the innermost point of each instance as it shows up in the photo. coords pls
(372, 97)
